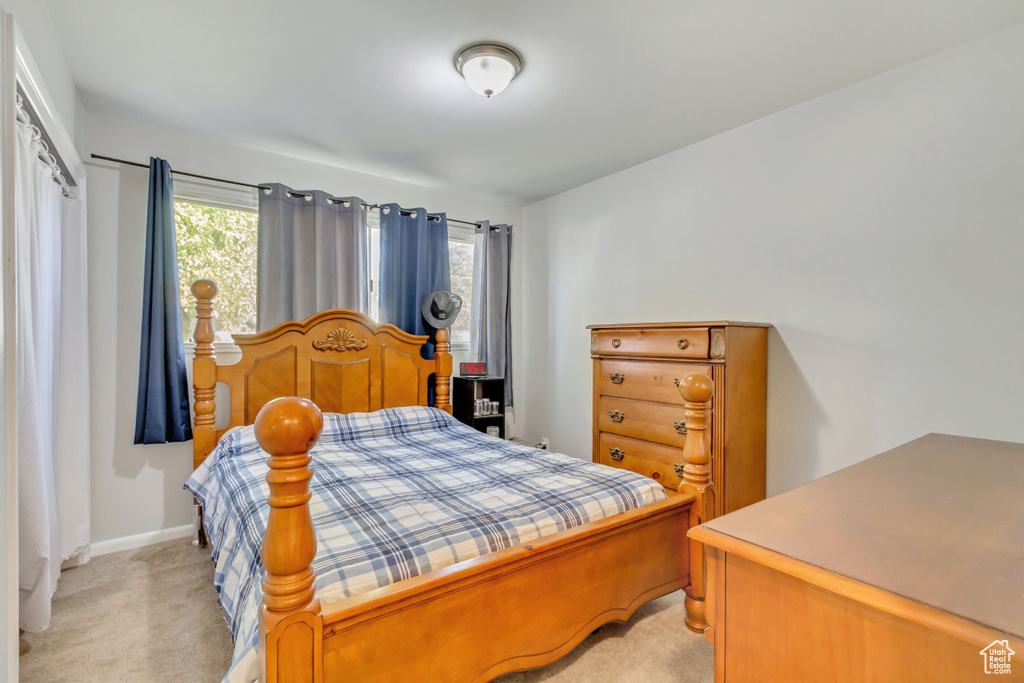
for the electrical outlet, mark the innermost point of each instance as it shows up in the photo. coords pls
(543, 445)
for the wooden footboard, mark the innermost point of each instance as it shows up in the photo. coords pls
(519, 608)
(516, 609)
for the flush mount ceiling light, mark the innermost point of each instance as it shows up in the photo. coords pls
(488, 68)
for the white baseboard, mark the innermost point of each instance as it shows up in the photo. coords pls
(114, 545)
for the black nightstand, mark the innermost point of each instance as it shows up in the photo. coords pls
(465, 391)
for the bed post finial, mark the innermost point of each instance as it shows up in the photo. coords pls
(204, 373)
(287, 428)
(696, 389)
(443, 371)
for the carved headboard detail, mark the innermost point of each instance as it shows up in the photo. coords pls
(341, 339)
(341, 360)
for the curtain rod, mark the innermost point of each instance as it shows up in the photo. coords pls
(267, 187)
(48, 154)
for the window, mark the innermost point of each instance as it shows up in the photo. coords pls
(217, 243)
(373, 225)
(460, 255)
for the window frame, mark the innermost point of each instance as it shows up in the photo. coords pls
(465, 235)
(246, 199)
(219, 196)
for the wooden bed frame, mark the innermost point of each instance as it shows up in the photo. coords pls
(518, 608)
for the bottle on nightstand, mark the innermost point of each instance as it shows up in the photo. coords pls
(479, 402)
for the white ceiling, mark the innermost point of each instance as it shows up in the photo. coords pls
(605, 85)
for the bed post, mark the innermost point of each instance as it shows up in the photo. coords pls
(443, 371)
(291, 634)
(696, 389)
(204, 373)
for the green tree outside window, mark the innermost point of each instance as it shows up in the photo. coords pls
(217, 244)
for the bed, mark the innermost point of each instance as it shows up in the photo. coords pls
(471, 604)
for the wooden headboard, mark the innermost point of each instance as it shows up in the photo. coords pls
(341, 360)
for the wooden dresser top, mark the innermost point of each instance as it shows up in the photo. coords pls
(939, 520)
(719, 323)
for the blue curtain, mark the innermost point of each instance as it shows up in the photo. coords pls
(413, 263)
(162, 413)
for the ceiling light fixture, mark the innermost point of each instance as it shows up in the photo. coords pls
(488, 68)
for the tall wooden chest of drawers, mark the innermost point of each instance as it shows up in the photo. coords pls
(639, 418)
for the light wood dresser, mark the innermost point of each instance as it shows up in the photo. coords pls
(640, 415)
(639, 418)
(908, 566)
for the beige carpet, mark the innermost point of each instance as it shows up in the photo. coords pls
(152, 615)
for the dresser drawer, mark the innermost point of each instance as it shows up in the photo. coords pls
(680, 342)
(649, 459)
(646, 380)
(658, 422)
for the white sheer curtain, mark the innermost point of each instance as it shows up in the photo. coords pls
(52, 379)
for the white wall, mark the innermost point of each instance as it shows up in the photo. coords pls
(33, 21)
(137, 489)
(879, 228)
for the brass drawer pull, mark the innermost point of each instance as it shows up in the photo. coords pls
(617, 377)
(680, 426)
(617, 454)
(617, 415)
(616, 343)
(682, 343)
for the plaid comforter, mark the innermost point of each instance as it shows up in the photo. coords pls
(395, 494)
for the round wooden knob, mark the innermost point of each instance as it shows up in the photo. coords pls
(204, 289)
(696, 387)
(288, 426)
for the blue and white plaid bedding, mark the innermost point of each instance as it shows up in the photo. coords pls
(395, 494)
